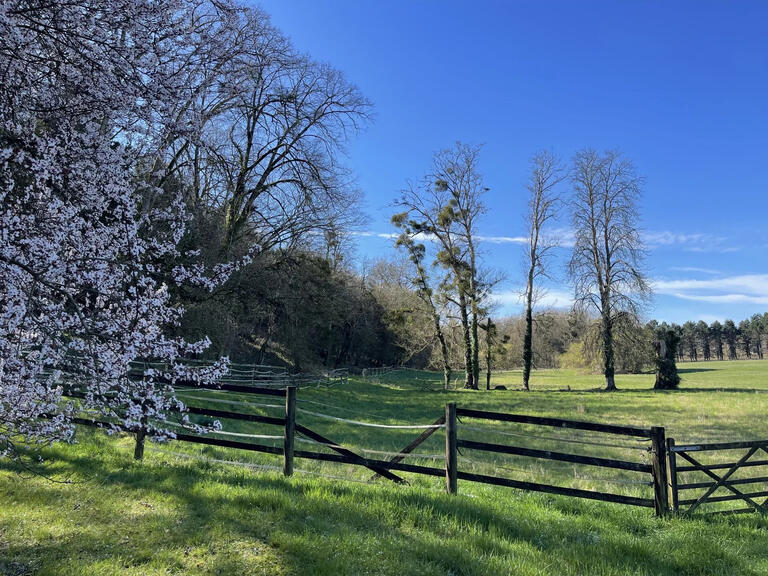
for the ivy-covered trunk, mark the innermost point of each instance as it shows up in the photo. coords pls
(469, 381)
(528, 338)
(666, 369)
(443, 351)
(608, 356)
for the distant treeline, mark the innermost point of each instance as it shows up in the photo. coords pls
(716, 341)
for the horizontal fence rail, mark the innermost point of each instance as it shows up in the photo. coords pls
(554, 422)
(681, 479)
(658, 502)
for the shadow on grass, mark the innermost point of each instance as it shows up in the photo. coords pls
(228, 519)
(694, 370)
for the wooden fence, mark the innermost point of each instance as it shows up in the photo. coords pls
(390, 468)
(669, 468)
(710, 479)
(656, 469)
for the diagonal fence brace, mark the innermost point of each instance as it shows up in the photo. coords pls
(312, 435)
(400, 456)
(721, 481)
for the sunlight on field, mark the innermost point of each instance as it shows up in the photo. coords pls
(184, 511)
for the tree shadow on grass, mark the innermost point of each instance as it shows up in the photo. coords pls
(210, 519)
(694, 370)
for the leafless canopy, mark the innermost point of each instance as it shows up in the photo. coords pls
(606, 263)
(546, 174)
(608, 253)
(267, 125)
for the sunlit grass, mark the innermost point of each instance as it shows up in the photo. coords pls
(180, 512)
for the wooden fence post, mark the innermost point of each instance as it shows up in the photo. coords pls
(659, 454)
(672, 471)
(451, 454)
(290, 429)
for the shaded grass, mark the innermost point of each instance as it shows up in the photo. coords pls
(175, 514)
(165, 516)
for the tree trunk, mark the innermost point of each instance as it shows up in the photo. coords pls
(608, 359)
(469, 381)
(443, 351)
(489, 342)
(528, 338)
(475, 346)
(666, 371)
(474, 309)
(141, 437)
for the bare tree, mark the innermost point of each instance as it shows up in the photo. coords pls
(269, 126)
(456, 171)
(416, 253)
(605, 265)
(546, 174)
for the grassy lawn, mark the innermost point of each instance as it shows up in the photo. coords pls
(182, 511)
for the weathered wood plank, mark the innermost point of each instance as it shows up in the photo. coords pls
(561, 456)
(533, 486)
(229, 444)
(369, 463)
(659, 465)
(554, 422)
(728, 497)
(739, 481)
(722, 466)
(720, 481)
(720, 446)
(235, 415)
(400, 456)
(289, 430)
(311, 434)
(451, 452)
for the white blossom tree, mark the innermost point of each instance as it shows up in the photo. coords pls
(89, 223)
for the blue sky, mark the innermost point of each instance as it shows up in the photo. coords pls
(681, 88)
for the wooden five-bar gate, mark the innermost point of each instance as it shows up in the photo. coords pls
(699, 470)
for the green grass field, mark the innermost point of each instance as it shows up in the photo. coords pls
(184, 511)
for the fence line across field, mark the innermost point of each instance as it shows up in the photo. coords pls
(662, 471)
(389, 462)
(370, 424)
(389, 453)
(552, 438)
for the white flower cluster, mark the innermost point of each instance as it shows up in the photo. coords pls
(89, 91)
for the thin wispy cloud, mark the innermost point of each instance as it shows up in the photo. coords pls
(554, 298)
(562, 237)
(565, 238)
(503, 239)
(742, 289)
(694, 269)
(688, 242)
(369, 234)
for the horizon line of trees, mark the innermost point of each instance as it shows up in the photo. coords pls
(721, 341)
